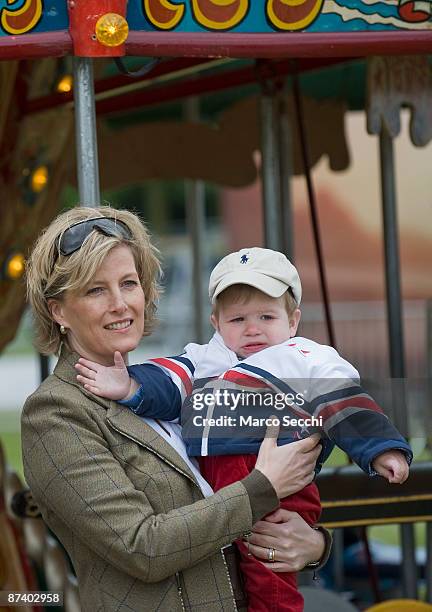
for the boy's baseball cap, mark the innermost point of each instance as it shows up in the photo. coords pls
(267, 270)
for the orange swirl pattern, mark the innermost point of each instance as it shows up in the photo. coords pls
(293, 14)
(21, 20)
(163, 14)
(219, 14)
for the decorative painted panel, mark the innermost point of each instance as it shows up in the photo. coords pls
(280, 15)
(247, 16)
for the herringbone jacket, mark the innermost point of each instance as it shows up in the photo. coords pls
(127, 507)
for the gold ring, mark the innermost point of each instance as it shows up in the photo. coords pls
(271, 555)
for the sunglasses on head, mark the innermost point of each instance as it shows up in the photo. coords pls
(74, 237)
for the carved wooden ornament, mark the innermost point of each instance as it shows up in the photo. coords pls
(397, 82)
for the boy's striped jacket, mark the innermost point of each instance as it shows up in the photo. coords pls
(224, 402)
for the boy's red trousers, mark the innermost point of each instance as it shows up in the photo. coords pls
(267, 591)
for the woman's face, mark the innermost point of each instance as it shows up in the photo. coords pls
(108, 315)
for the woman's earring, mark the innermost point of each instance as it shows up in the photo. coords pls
(63, 330)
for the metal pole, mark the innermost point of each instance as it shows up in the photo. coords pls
(301, 122)
(270, 172)
(428, 569)
(286, 165)
(338, 560)
(195, 214)
(86, 148)
(391, 248)
(395, 331)
(428, 308)
(43, 366)
(85, 133)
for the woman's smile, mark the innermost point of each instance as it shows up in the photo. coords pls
(119, 325)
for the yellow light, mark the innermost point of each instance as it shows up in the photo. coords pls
(39, 179)
(65, 84)
(112, 30)
(15, 266)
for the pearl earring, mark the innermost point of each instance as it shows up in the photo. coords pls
(63, 329)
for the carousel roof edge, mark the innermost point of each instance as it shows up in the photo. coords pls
(29, 46)
(231, 45)
(278, 45)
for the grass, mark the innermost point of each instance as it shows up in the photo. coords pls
(337, 458)
(10, 438)
(11, 442)
(390, 534)
(22, 344)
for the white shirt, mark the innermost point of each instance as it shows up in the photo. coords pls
(176, 441)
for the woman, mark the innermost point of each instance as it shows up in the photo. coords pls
(139, 522)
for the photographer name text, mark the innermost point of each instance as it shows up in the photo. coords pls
(200, 420)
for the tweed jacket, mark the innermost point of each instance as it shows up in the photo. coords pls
(127, 507)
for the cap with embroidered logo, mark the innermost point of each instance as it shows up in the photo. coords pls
(267, 270)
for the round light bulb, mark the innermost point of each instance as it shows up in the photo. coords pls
(15, 266)
(65, 84)
(39, 179)
(111, 29)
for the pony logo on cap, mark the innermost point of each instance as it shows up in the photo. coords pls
(244, 259)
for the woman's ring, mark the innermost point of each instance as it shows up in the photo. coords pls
(271, 555)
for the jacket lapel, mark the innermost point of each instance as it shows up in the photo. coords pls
(133, 427)
(122, 419)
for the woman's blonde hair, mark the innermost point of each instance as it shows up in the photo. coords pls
(50, 274)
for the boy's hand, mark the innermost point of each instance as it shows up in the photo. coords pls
(112, 382)
(392, 465)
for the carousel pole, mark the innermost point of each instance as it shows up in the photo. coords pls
(270, 167)
(428, 567)
(195, 215)
(86, 150)
(85, 133)
(270, 173)
(285, 143)
(97, 29)
(395, 332)
(44, 367)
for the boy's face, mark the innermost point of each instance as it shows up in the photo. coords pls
(249, 327)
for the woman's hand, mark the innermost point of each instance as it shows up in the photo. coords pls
(294, 542)
(290, 467)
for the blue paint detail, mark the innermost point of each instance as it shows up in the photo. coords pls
(54, 16)
(17, 6)
(244, 259)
